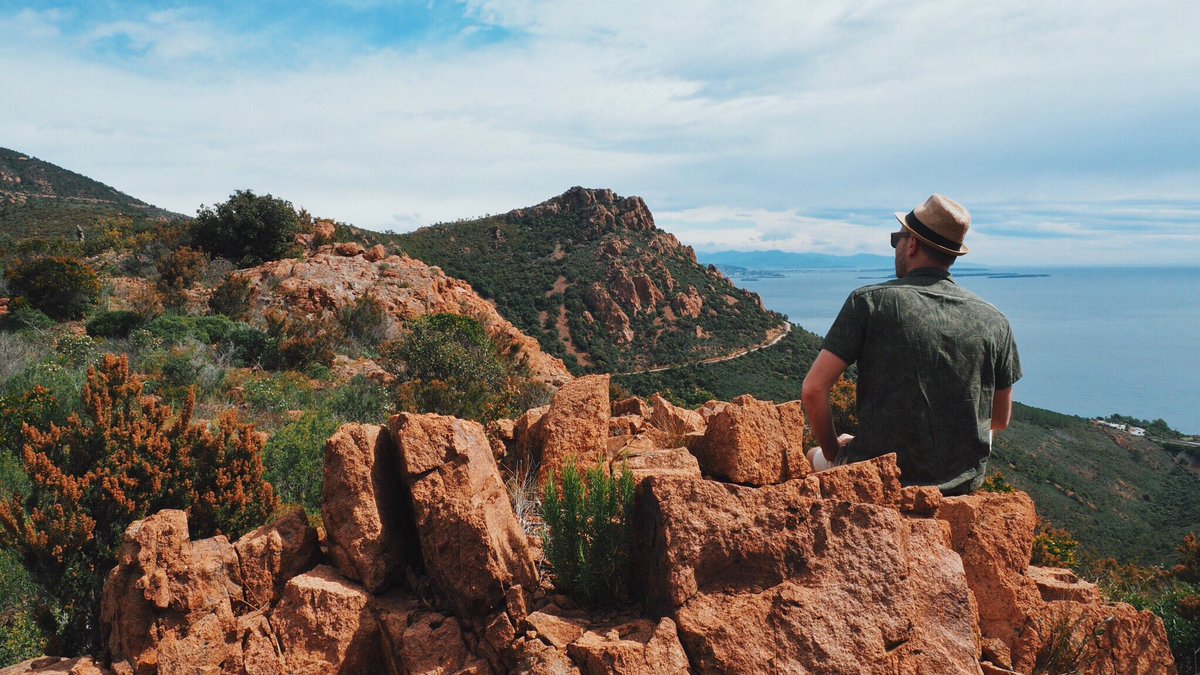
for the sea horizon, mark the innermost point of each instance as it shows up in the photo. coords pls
(1093, 339)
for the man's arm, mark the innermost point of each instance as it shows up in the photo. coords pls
(1001, 408)
(819, 381)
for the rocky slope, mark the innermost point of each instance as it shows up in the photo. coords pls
(337, 277)
(596, 282)
(745, 562)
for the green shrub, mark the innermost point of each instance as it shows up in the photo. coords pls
(294, 459)
(116, 324)
(20, 636)
(25, 317)
(62, 287)
(588, 531)
(447, 364)
(361, 400)
(246, 345)
(996, 482)
(365, 320)
(247, 228)
(1053, 547)
(231, 297)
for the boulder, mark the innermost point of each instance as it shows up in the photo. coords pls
(644, 462)
(752, 442)
(261, 654)
(363, 508)
(640, 647)
(535, 657)
(349, 249)
(168, 605)
(1056, 584)
(874, 481)
(375, 253)
(575, 425)
(325, 626)
(472, 544)
(631, 406)
(418, 641)
(274, 553)
(773, 579)
(670, 424)
(993, 534)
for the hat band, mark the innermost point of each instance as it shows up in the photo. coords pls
(920, 228)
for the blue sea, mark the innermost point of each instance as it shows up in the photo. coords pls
(1093, 340)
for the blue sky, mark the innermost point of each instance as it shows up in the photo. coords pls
(1073, 136)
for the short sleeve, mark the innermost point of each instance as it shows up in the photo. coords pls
(1008, 363)
(848, 333)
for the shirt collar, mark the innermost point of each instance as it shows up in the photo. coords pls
(931, 272)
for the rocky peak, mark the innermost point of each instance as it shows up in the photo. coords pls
(602, 209)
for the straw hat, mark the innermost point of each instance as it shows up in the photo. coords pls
(940, 222)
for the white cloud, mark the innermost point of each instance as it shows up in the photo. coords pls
(783, 109)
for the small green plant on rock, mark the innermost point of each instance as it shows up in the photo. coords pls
(588, 518)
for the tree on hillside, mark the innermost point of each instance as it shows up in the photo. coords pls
(247, 228)
(127, 457)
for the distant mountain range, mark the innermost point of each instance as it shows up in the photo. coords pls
(783, 260)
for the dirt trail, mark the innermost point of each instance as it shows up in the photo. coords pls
(774, 335)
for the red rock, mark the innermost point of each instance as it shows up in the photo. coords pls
(557, 631)
(349, 249)
(1056, 584)
(643, 463)
(631, 406)
(689, 304)
(576, 425)
(920, 500)
(472, 544)
(754, 443)
(615, 320)
(637, 648)
(672, 419)
(535, 657)
(362, 507)
(993, 534)
(769, 579)
(80, 665)
(625, 425)
(647, 292)
(272, 554)
(375, 253)
(260, 651)
(875, 481)
(168, 603)
(324, 624)
(417, 640)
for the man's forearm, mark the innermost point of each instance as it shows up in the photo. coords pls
(820, 420)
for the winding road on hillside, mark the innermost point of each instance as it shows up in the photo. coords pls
(774, 335)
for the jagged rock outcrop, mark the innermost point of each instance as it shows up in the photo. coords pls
(325, 283)
(842, 571)
(609, 313)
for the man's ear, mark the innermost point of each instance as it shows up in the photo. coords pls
(913, 243)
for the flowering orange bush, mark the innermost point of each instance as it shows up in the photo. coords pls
(128, 457)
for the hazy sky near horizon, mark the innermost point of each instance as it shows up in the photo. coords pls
(1070, 130)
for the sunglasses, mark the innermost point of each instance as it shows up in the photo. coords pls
(897, 236)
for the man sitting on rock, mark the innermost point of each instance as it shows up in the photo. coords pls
(936, 363)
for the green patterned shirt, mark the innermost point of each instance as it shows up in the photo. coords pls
(930, 355)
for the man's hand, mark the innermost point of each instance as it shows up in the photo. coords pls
(823, 374)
